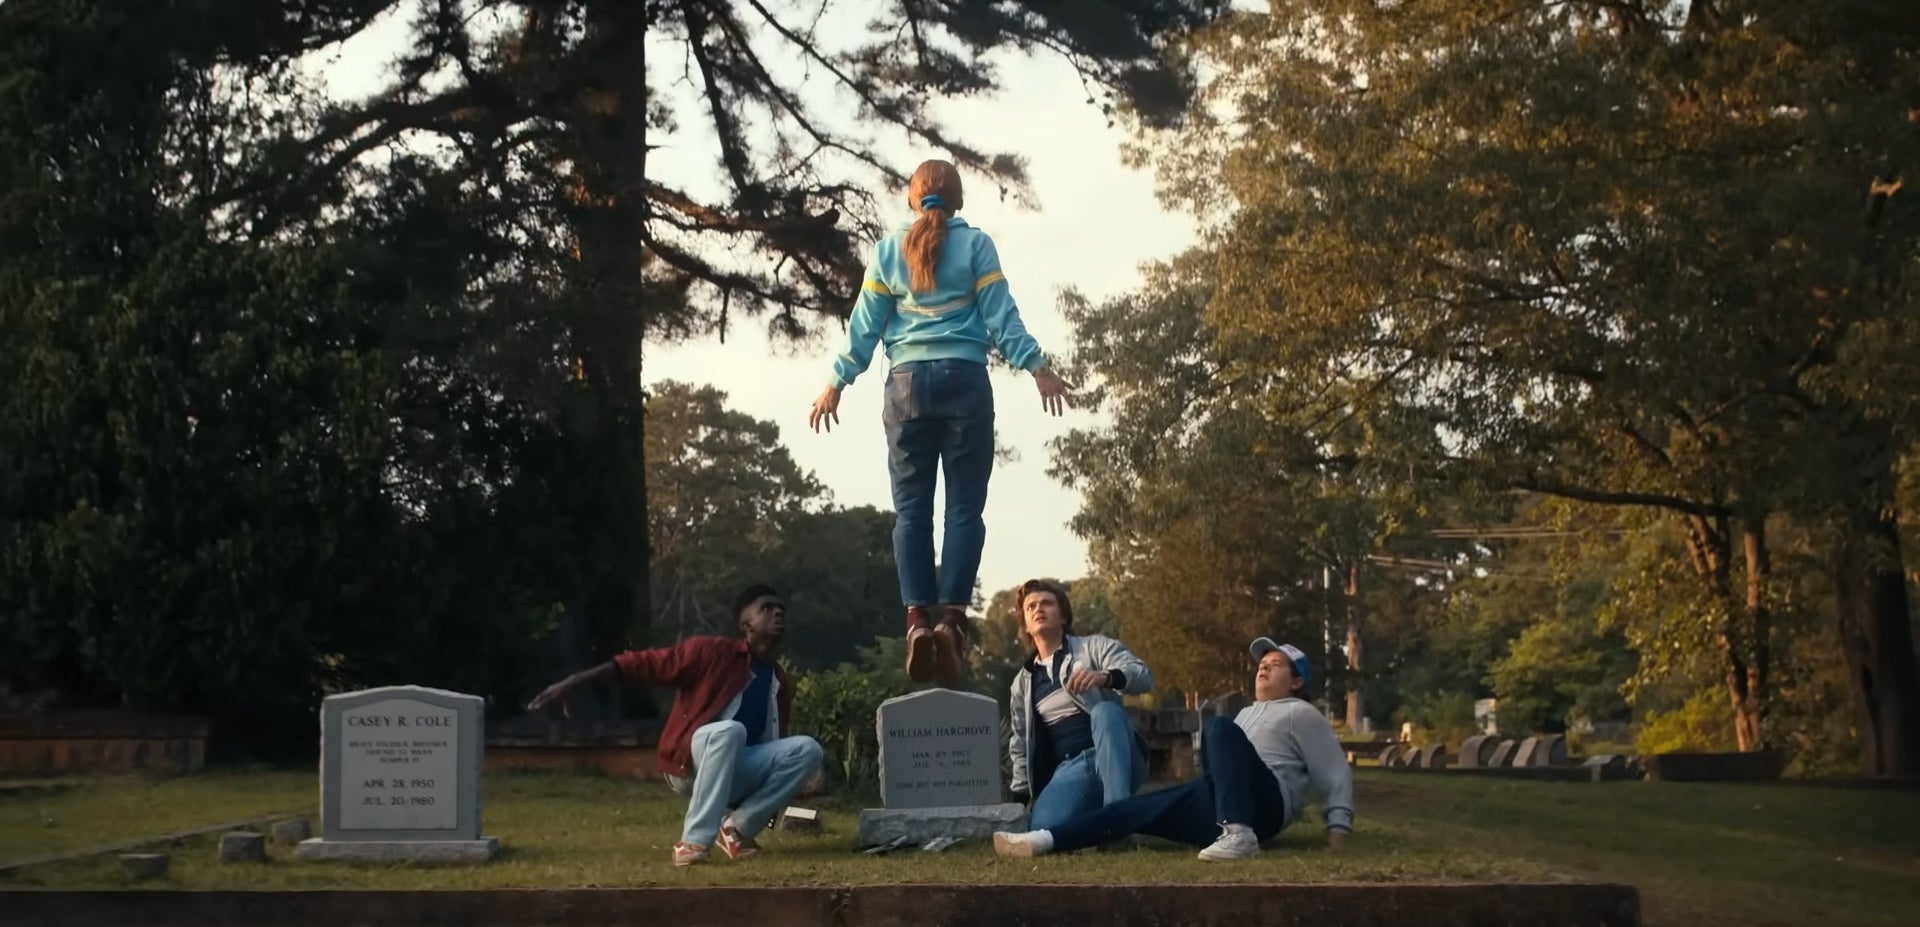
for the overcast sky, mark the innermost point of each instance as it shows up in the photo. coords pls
(1097, 223)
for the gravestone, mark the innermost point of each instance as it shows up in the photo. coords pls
(1503, 754)
(243, 846)
(939, 770)
(1405, 758)
(1388, 755)
(400, 778)
(1228, 706)
(1553, 750)
(291, 832)
(1433, 756)
(143, 866)
(1476, 750)
(1530, 753)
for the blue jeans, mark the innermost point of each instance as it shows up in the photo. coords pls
(1096, 777)
(755, 781)
(1236, 789)
(938, 413)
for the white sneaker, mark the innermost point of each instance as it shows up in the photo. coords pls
(1236, 842)
(1031, 843)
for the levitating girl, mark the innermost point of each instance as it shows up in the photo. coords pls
(935, 296)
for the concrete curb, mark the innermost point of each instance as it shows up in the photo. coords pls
(1569, 904)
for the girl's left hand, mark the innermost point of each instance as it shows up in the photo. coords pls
(826, 410)
(1055, 395)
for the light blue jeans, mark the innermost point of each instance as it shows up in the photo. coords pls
(1095, 778)
(756, 782)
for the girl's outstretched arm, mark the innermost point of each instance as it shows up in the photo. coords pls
(999, 311)
(871, 313)
(1008, 333)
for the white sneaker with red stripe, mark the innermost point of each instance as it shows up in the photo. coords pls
(686, 854)
(736, 844)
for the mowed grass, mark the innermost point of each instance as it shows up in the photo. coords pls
(103, 810)
(1700, 854)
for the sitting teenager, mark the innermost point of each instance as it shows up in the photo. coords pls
(1072, 747)
(725, 744)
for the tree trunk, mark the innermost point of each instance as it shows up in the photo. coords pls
(1356, 711)
(1710, 546)
(607, 429)
(1876, 635)
(1747, 639)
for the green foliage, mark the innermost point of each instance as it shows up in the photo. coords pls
(1441, 718)
(1703, 723)
(728, 507)
(837, 708)
(1687, 321)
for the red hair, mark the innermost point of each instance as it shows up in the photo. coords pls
(929, 231)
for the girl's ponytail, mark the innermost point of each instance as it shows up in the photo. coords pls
(935, 192)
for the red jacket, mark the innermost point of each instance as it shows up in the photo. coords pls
(707, 672)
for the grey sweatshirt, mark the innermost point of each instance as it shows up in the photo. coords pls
(1295, 741)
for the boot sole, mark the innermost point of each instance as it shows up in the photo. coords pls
(947, 656)
(922, 656)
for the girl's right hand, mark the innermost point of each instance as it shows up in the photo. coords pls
(1055, 395)
(826, 410)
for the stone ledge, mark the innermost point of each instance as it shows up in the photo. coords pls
(425, 852)
(1570, 904)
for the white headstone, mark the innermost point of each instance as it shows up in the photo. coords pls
(939, 749)
(400, 776)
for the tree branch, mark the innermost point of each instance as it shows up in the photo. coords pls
(1601, 497)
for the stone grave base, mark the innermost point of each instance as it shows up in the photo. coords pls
(885, 825)
(432, 852)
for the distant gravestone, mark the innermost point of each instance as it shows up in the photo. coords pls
(143, 866)
(1434, 756)
(1529, 753)
(243, 846)
(1553, 750)
(1405, 758)
(1229, 705)
(1503, 754)
(290, 832)
(1477, 749)
(1605, 766)
(400, 778)
(939, 769)
(1388, 755)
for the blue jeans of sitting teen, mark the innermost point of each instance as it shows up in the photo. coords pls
(1236, 789)
(938, 414)
(1100, 776)
(755, 781)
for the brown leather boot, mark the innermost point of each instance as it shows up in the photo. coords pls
(950, 652)
(921, 644)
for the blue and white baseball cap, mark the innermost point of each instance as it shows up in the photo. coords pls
(1262, 646)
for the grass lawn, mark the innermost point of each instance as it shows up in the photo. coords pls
(108, 809)
(1700, 854)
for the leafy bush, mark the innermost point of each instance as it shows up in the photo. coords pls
(1704, 723)
(836, 707)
